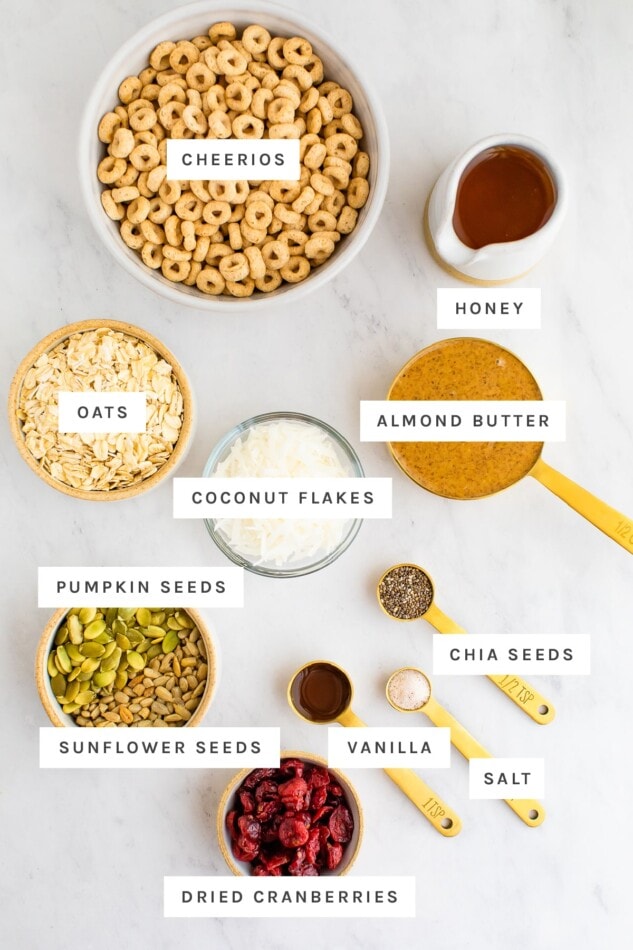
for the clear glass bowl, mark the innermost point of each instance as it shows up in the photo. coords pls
(349, 460)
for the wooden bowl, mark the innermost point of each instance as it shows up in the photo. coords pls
(130, 491)
(53, 709)
(242, 868)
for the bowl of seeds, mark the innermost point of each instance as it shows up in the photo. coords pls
(101, 356)
(249, 70)
(126, 667)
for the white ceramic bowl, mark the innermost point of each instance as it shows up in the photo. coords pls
(190, 21)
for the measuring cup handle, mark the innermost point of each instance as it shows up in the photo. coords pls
(528, 810)
(525, 697)
(441, 816)
(615, 525)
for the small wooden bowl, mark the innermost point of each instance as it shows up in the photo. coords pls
(116, 494)
(53, 709)
(242, 868)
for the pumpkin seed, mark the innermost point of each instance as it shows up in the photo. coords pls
(104, 678)
(61, 636)
(87, 614)
(135, 660)
(122, 641)
(170, 642)
(50, 665)
(75, 631)
(72, 691)
(91, 649)
(143, 617)
(111, 662)
(58, 684)
(63, 660)
(82, 699)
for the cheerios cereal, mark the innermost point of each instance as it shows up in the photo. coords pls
(233, 237)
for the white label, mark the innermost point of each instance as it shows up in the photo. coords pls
(547, 654)
(161, 748)
(462, 420)
(314, 498)
(140, 587)
(506, 778)
(377, 748)
(233, 159)
(488, 308)
(101, 412)
(224, 896)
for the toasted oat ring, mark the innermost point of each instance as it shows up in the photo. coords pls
(173, 230)
(256, 263)
(170, 191)
(238, 96)
(203, 243)
(242, 288)
(334, 203)
(159, 57)
(297, 50)
(195, 119)
(314, 67)
(183, 55)
(222, 30)
(284, 130)
(114, 210)
(222, 191)
(138, 210)
(172, 253)
(294, 240)
(258, 214)
(125, 193)
(108, 126)
(275, 53)
(122, 143)
(216, 212)
(170, 113)
(259, 104)
(315, 156)
(340, 101)
(159, 210)
(131, 234)
(156, 177)
(110, 169)
(189, 239)
(322, 221)
(210, 281)
(341, 145)
(234, 267)
(188, 207)
(321, 184)
(153, 233)
(130, 89)
(145, 157)
(358, 192)
(200, 77)
(295, 270)
(231, 62)
(275, 254)
(152, 255)
(319, 248)
(248, 127)
(280, 110)
(314, 121)
(219, 124)
(216, 252)
(304, 199)
(175, 271)
(256, 38)
(192, 276)
(180, 131)
(338, 176)
(300, 75)
(352, 125)
(285, 191)
(285, 214)
(286, 89)
(143, 119)
(256, 236)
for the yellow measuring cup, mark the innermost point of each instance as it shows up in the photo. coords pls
(468, 368)
(322, 692)
(417, 602)
(414, 695)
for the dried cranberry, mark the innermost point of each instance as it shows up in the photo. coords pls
(319, 796)
(231, 827)
(308, 870)
(249, 827)
(246, 801)
(266, 791)
(288, 766)
(295, 866)
(313, 846)
(244, 854)
(257, 776)
(335, 790)
(321, 813)
(293, 793)
(319, 778)
(292, 833)
(264, 811)
(270, 832)
(334, 855)
(341, 824)
(276, 859)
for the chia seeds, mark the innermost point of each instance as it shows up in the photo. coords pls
(405, 592)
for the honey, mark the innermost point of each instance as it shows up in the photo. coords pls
(505, 194)
(321, 692)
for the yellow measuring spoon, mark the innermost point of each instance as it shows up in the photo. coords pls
(409, 690)
(406, 592)
(322, 692)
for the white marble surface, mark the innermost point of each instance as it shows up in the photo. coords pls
(85, 853)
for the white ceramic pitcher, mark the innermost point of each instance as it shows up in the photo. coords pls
(494, 263)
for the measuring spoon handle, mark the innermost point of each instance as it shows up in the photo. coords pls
(441, 816)
(528, 810)
(516, 689)
(525, 697)
(615, 525)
